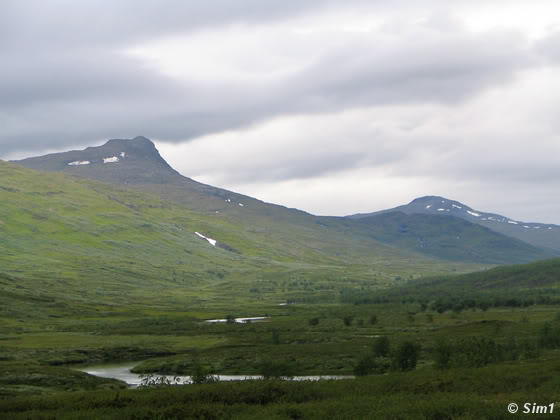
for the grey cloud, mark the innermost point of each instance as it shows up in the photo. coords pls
(446, 68)
(549, 47)
(77, 23)
(70, 83)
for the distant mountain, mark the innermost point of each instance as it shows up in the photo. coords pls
(450, 238)
(137, 164)
(538, 234)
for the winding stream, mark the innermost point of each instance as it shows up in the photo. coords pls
(123, 373)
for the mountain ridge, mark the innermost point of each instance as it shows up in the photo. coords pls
(136, 163)
(544, 235)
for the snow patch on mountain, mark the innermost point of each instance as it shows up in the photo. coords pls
(472, 213)
(79, 162)
(212, 241)
(113, 159)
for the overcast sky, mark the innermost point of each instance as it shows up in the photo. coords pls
(333, 107)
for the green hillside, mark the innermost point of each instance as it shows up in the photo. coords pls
(68, 239)
(536, 275)
(514, 286)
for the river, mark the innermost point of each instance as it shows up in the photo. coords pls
(123, 373)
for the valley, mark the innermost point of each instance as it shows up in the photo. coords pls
(129, 272)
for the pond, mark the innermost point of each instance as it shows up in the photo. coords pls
(240, 320)
(123, 373)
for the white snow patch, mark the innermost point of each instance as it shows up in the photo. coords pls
(512, 222)
(526, 227)
(491, 218)
(443, 201)
(456, 206)
(113, 159)
(212, 241)
(472, 213)
(549, 228)
(123, 154)
(228, 200)
(241, 204)
(428, 206)
(536, 227)
(79, 162)
(440, 209)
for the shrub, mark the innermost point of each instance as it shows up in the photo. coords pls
(406, 356)
(478, 352)
(549, 338)
(365, 366)
(201, 375)
(276, 369)
(348, 319)
(314, 321)
(443, 354)
(381, 346)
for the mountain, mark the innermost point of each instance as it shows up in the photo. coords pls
(450, 238)
(540, 235)
(137, 163)
(70, 245)
(118, 161)
(276, 230)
